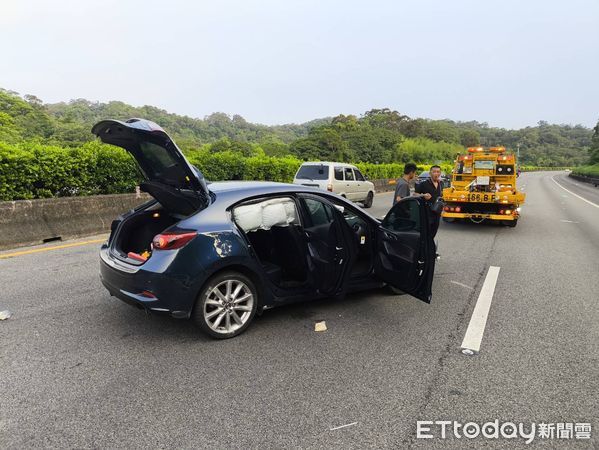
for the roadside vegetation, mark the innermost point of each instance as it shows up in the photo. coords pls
(591, 170)
(48, 150)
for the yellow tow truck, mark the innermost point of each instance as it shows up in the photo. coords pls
(483, 187)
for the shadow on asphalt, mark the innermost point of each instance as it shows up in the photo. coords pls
(468, 225)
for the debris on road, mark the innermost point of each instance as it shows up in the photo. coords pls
(5, 314)
(320, 326)
(343, 426)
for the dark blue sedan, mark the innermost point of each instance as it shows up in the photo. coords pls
(221, 253)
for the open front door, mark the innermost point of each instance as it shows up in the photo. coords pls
(406, 251)
(329, 250)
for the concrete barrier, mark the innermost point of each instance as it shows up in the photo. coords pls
(25, 222)
(586, 179)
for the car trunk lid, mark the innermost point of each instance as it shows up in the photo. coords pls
(158, 157)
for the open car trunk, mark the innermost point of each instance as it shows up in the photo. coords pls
(179, 188)
(133, 241)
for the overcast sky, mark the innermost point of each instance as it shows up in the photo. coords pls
(509, 63)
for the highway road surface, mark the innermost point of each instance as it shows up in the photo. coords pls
(81, 369)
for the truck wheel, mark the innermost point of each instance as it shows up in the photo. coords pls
(369, 199)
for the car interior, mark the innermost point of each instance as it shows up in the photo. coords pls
(363, 245)
(273, 229)
(276, 235)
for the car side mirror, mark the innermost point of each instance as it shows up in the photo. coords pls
(366, 178)
(340, 208)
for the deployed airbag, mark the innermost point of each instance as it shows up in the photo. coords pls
(278, 212)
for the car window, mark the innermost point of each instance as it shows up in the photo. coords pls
(485, 165)
(319, 213)
(160, 161)
(404, 216)
(339, 173)
(359, 175)
(313, 172)
(353, 219)
(349, 174)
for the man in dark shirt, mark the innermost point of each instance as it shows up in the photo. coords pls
(434, 187)
(402, 187)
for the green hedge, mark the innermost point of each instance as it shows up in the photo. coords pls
(589, 171)
(33, 170)
(380, 171)
(234, 166)
(538, 168)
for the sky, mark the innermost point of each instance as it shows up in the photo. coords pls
(508, 63)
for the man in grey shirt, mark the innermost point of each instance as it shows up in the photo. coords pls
(402, 187)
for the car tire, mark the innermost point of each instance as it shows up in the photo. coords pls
(369, 200)
(449, 219)
(226, 305)
(511, 223)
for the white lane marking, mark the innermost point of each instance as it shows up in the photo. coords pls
(476, 327)
(575, 195)
(568, 221)
(462, 284)
(343, 426)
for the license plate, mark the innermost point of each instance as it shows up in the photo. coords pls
(481, 197)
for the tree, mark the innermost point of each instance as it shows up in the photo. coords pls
(322, 144)
(385, 118)
(470, 138)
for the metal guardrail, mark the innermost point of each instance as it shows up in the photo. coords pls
(586, 179)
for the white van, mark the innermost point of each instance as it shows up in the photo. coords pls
(340, 178)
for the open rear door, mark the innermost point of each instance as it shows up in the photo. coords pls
(406, 251)
(330, 253)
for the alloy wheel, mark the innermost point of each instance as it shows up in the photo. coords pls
(228, 306)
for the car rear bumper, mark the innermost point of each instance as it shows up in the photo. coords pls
(146, 289)
(453, 215)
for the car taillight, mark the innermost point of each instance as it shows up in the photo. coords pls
(330, 187)
(446, 208)
(171, 241)
(458, 209)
